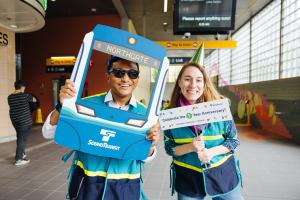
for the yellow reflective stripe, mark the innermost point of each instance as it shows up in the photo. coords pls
(90, 173)
(212, 137)
(184, 140)
(204, 137)
(220, 162)
(104, 174)
(123, 176)
(187, 166)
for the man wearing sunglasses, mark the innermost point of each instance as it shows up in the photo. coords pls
(122, 77)
(96, 177)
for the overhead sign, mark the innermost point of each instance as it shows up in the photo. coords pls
(61, 61)
(203, 16)
(189, 44)
(179, 60)
(202, 113)
(59, 69)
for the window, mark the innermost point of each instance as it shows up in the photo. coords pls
(265, 43)
(290, 39)
(241, 56)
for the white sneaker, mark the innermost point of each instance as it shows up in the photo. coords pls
(24, 156)
(22, 162)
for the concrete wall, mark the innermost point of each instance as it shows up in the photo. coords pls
(277, 112)
(143, 90)
(7, 77)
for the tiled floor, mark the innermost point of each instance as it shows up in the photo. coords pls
(270, 170)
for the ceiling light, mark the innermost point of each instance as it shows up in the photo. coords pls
(53, 0)
(13, 26)
(165, 6)
(165, 23)
(93, 9)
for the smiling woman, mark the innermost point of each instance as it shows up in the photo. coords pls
(191, 84)
(202, 153)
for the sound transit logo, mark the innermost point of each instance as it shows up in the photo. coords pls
(107, 135)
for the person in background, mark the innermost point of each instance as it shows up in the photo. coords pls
(96, 177)
(196, 147)
(34, 105)
(20, 115)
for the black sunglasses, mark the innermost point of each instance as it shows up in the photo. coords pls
(120, 73)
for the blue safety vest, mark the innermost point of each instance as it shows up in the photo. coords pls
(187, 170)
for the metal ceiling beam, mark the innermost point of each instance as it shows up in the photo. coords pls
(126, 23)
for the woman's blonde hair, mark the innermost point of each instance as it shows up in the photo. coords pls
(209, 92)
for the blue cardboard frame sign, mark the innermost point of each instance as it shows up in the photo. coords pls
(102, 130)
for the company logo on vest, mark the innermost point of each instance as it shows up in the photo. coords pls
(3, 39)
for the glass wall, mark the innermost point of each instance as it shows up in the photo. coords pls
(241, 56)
(290, 39)
(268, 47)
(265, 34)
(224, 67)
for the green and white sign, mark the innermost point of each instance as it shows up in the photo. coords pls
(202, 113)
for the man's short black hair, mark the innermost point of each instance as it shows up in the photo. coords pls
(115, 59)
(18, 85)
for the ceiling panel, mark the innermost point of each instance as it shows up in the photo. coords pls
(146, 15)
(152, 11)
(21, 16)
(70, 8)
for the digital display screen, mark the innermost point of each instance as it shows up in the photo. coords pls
(204, 16)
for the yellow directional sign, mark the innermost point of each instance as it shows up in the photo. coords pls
(208, 44)
(61, 60)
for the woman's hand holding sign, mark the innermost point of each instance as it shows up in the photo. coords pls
(205, 155)
(197, 144)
